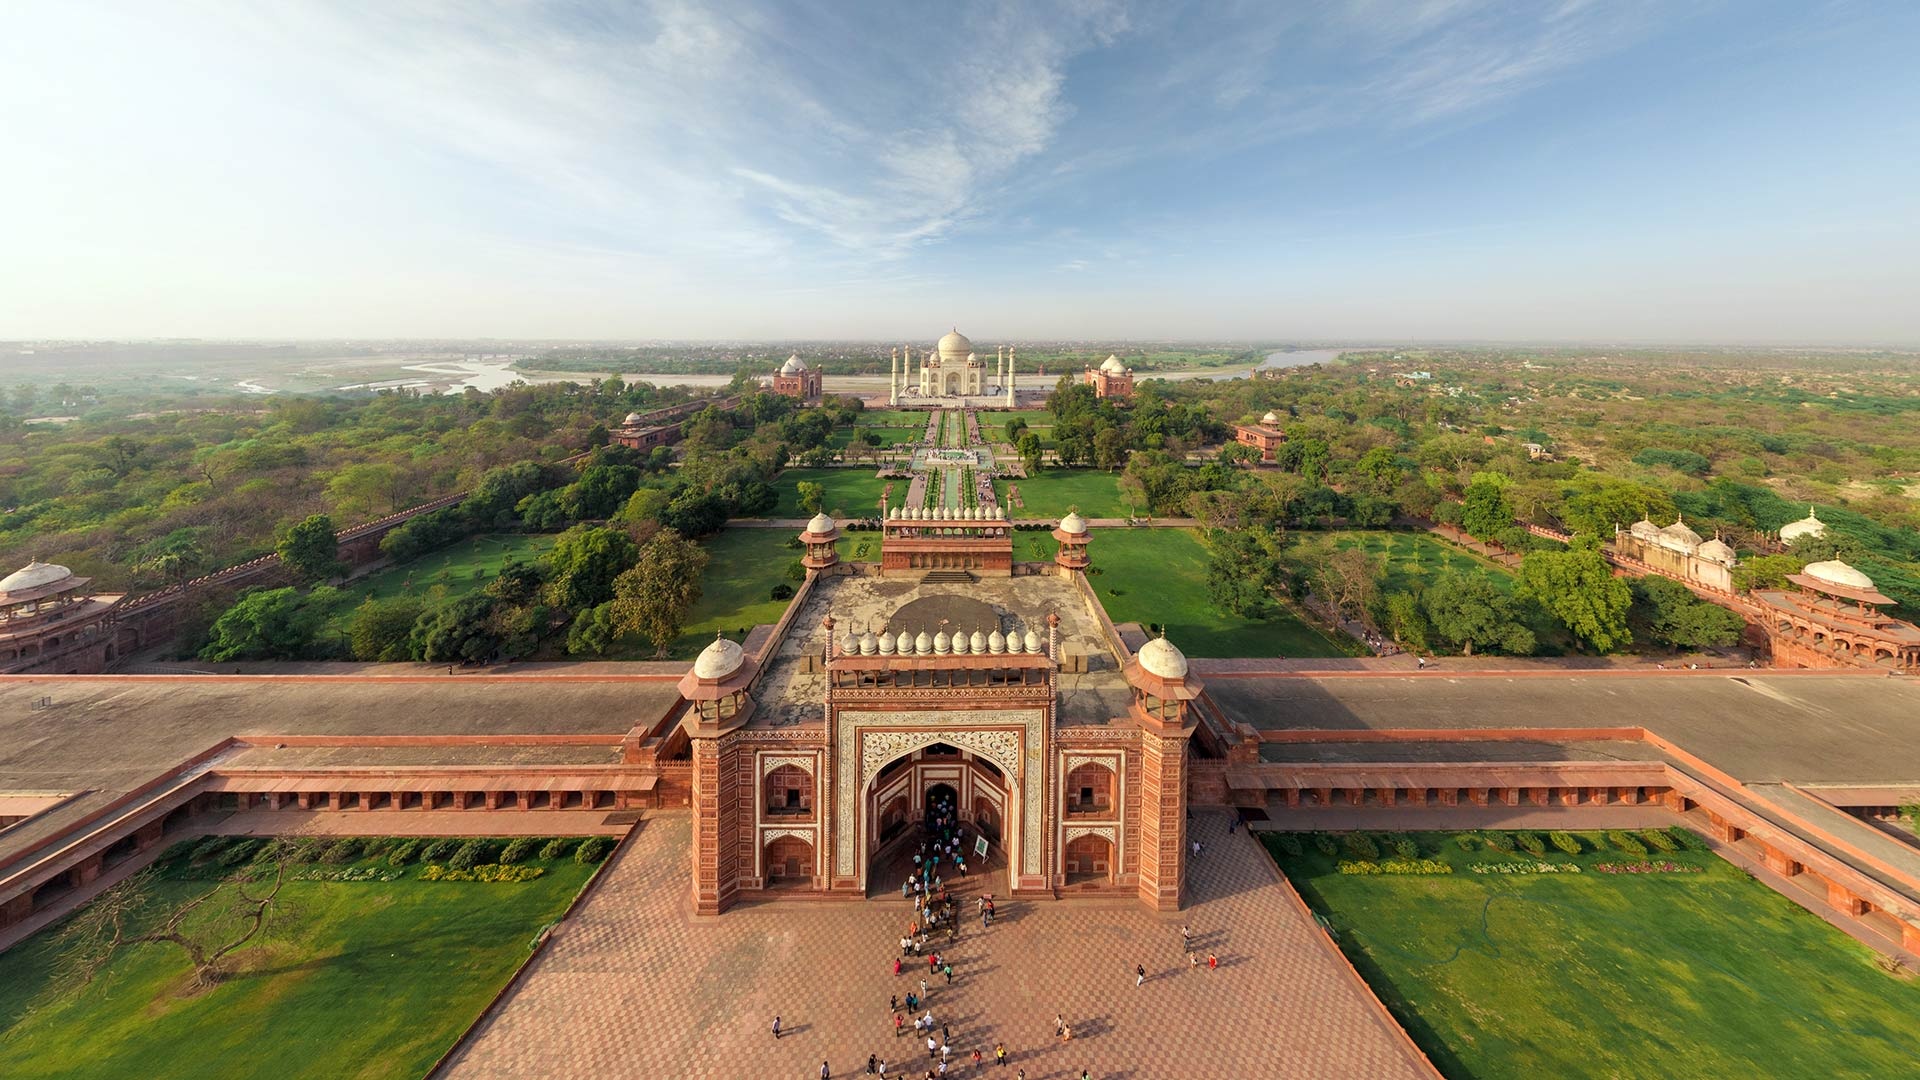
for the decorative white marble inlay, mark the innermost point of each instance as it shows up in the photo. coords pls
(1075, 832)
(1010, 750)
(768, 836)
(773, 761)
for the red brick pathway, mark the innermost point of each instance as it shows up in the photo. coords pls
(632, 985)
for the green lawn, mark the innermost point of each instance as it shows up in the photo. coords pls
(362, 980)
(1417, 558)
(735, 592)
(1159, 576)
(908, 419)
(1616, 975)
(1050, 493)
(853, 492)
(460, 567)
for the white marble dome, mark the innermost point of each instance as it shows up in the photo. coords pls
(632, 419)
(868, 644)
(719, 660)
(905, 647)
(1033, 642)
(942, 645)
(34, 575)
(996, 643)
(1073, 523)
(1113, 366)
(1811, 525)
(820, 525)
(1680, 534)
(977, 644)
(954, 346)
(1161, 657)
(1717, 550)
(793, 366)
(1835, 572)
(886, 644)
(1270, 419)
(923, 644)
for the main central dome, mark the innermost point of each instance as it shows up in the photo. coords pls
(955, 346)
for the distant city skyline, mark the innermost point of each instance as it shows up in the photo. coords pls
(1350, 171)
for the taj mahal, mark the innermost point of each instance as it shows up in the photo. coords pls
(950, 371)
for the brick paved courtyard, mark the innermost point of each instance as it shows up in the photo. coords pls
(633, 986)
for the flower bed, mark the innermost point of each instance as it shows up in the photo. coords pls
(1524, 868)
(1647, 867)
(489, 872)
(1393, 867)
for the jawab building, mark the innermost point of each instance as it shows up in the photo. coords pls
(1002, 692)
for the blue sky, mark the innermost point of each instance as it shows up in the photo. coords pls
(1347, 169)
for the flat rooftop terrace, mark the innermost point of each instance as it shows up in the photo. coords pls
(789, 694)
(1804, 728)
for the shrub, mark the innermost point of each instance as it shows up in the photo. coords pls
(1565, 841)
(1360, 845)
(1687, 838)
(1498, 840)
(439, 850)
(1658, 840)
(1465, 841)
(1406, 848)
(557, 848)
(344, 850)
(782, 591)
(308, 848)
(489, 872)
(376, 845)
(1288, 843)
(240, 851)
(467, 856)
(592, 850)
(518, 850)
(1622, 842)
(1531, 843)
(206, 848)
(1393, 867)
(1324, 844)
(276, 848)
(403, 853)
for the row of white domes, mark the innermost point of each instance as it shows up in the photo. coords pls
(941, 513)
(941, 644)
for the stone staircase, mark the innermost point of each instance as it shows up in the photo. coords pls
(949, 577)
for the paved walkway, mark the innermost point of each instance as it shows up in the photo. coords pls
(632, 985)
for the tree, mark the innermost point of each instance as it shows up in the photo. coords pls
(654, 597)
(1109, 448)
(1604, 502)
(1467, 609)
(1486, 510)
(583, 564)
(310, 551)
(1348, 579)
(1406, 622)
(368, 489)
(1579, 588)
(462, 629)
(1242, 573)
(812, 495)
(592, 632)
(176, 558)
(267, 624)
(1766, 571)
(1378, 471)
(380, 629)
(1669, 613)
(1030, 450)
(243, 908)
(1237, 453)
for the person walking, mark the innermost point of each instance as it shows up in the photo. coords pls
(1213, 962)
(1139, 975)
(893, 1002)
(933, 1048)
(872, 1060)
(1186, 936)
(923, 989)
(899, 1024)
(1000, 1054)
(883, 1069)
(825, 1073)
(776, 1026)
(1059, 1024)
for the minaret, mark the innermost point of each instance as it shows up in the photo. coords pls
(893, 380)
(1000, 366)
(1010, 376)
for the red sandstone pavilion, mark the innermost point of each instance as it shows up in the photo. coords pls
(999, 686)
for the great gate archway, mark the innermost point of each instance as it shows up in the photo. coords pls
(907, 790)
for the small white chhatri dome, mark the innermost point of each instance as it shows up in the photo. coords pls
(906, 644)
(793, 366)
(632, 419)
(1033, 642)
(1835, 572)
(1811, 525)
(996, 643)
(923, 644)
(34, 575)
(1270, 419)
(1160, 657)
(718, 660)
(1073, 523)
(1717, 550)
(977, 644)
(1113, 366)
(820, 525)
(1679, 533)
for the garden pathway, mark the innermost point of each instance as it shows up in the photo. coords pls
(633, 985)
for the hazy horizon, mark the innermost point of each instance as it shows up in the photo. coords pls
(1449, 172)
